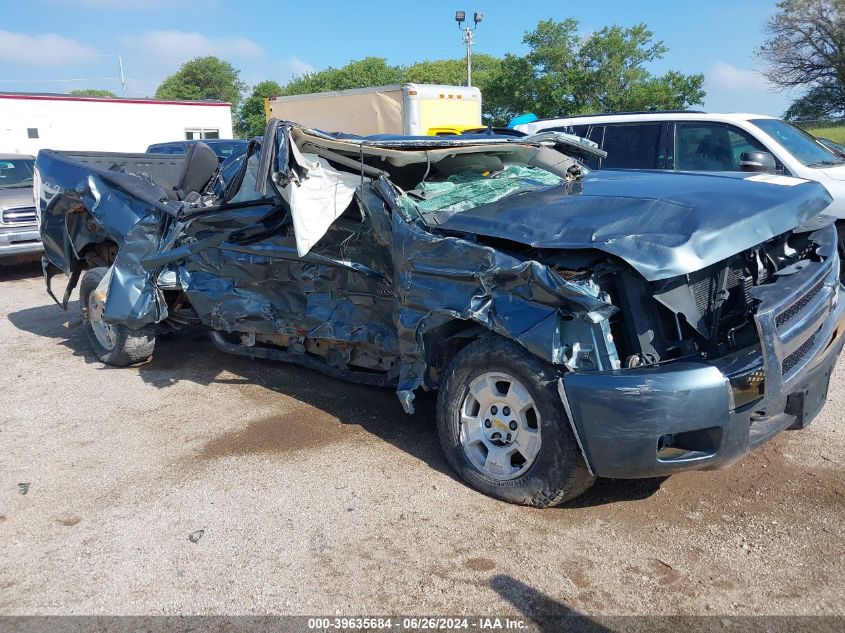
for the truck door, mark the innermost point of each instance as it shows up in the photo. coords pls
(250, 281)
(348, 284)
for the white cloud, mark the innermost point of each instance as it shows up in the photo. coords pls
(723, 76)
(151, 56)
(292, 65)
(43, 50)
(179, 46)
(734, 89)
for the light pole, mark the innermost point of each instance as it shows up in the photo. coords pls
(468, 37)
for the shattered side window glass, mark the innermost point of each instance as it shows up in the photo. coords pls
(407, 206)
(247, 192)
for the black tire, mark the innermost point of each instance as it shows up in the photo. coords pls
(131, 346)
(558, 472)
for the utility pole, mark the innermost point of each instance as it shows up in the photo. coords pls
(468, 37)
(122, 78)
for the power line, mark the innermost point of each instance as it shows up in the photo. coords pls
(35, 81)
(18, 53)
(141, 81)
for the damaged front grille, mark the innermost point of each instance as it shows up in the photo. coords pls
(787, 315)
(795, 357)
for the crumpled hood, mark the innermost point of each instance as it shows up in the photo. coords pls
(662, 224)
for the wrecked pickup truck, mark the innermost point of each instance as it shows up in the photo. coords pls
(617, 324)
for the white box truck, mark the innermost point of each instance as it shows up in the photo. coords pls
(411, 109)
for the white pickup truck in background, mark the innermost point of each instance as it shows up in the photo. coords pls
(18, 225)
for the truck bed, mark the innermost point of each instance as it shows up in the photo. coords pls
(133, 184)
(163, 169)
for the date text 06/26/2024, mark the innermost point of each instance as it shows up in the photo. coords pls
(415, 624)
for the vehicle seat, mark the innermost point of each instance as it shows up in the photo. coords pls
(713, 153)
(198, 169)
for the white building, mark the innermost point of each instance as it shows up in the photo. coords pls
(30, 122)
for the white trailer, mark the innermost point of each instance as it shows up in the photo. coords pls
(30, 122)
(413, 109)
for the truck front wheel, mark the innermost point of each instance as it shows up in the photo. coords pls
(113, 344)
(504, 429)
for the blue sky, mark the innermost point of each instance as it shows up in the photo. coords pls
(59, 45)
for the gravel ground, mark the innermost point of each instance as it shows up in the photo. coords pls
(206, 483)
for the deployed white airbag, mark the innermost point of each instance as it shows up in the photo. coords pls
(318, 199)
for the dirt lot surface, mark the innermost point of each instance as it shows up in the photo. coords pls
(206, 483)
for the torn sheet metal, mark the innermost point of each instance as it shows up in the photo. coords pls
(403, 151)
(132, 299)
(440, 279)
(568, 144)
(264, 287)
(82, 205)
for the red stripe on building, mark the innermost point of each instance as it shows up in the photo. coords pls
(115, 100)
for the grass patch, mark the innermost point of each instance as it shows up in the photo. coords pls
(834, 133)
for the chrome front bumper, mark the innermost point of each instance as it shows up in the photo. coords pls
(19, 241)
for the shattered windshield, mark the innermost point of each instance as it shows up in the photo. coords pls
(469, 189)
(16, 173)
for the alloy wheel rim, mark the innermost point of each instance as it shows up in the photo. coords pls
(103, 332)
(500, 426)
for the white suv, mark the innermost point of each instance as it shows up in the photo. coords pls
(704, 141)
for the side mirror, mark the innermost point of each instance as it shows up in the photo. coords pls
(762, 162)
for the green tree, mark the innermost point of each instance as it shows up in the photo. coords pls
(362, 73)
(204, 78)
(250, 119)
(565, 74)
(509, 93)
(805, 48)
(93, 92)
(819, 102)
(453, 72)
